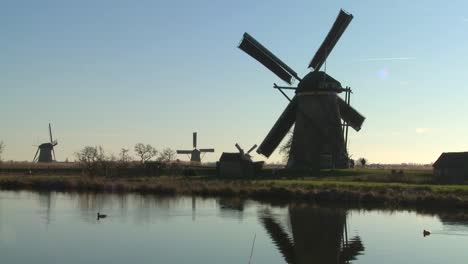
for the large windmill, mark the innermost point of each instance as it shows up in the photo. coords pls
(195, 153)
(46, 150)
(316, 110)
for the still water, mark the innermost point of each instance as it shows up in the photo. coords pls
(63, 228)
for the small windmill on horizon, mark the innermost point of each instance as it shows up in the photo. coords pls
(195, 154)
(245, 155)
(46, 150)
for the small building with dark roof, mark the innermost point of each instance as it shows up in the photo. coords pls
(451, 167)
(236, 165)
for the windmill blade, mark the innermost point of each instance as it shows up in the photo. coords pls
(350, 115)
(194, 139)
(340, 25)
(184, 151)
(50, 133)
(239, 148)
(252, 148)
(279, 130)
(53, 153)
(37, 151)
(256, 50)
(207, 150)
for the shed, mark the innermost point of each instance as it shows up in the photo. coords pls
(451, 167)
(236, 165)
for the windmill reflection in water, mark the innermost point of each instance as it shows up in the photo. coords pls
(312, 235)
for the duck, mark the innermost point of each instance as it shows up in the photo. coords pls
(99, 216)
(426, 232)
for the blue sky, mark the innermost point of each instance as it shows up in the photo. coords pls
(115, 73)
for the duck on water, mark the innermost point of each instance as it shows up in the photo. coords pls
(426, 232)
(99, 216)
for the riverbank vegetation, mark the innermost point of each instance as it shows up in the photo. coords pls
(354, 186)
(158, 172)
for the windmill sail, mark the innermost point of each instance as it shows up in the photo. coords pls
(35, 155)
(184, 151)
(279, 130)
(241, 151)
(340, 25)
(50, 133)
(207, 150)
(350, 115)
(252, 148)
(268, 59)
(194, 139)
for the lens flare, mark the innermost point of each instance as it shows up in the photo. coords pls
(383, 73)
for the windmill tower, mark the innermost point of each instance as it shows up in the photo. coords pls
(46, 150)
(195, 154)
(316, 109)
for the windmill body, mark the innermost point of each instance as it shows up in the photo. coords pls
(318, 135)
(45, 152)
(195, 154)
(320, 116)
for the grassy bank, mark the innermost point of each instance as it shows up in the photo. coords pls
(362, 187)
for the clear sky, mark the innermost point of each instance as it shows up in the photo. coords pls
(115, 73)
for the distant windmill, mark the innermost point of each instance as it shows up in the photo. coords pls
(246, 155)
(319, 138)
(46, 150)
(195, 153)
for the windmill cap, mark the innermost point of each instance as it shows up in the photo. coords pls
(318, 81)
(46, 146)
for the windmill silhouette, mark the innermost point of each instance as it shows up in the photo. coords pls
(195, 154)
(319, 137)
(46, 150)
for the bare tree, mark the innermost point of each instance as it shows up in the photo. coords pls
(87, 154)
(362, 161)
(2, 148)
(286, 147)
(124, 155)
(124, 158)
(88, 158)
(167, 155)
(95, 161)
(145, 152)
